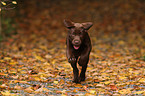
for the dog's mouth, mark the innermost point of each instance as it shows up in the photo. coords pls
(76, 47)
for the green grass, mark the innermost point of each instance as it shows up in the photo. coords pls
(7, 27)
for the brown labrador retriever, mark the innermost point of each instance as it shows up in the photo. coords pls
(78, 47)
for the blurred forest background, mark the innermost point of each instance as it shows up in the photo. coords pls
(32, 47)
(113, 17)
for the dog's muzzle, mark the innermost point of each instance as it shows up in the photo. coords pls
(76, 42)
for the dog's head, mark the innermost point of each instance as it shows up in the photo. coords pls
(77, 32)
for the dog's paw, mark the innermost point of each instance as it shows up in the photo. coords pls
(76, 81)
(82, 78)
(72, 60)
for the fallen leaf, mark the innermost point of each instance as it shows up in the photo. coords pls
(142, 80)
(92, 91)
(3, 86)
(139, 92)
(113, 87)
(56, 82)
(18, 87)
(100, 86)
(78, 85)
(39, 90)
(6, 93)
(107, 82)
(29, 89)
(124, 91)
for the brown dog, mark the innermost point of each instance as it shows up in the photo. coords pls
(78, 45)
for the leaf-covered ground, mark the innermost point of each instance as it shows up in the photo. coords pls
(33, 62)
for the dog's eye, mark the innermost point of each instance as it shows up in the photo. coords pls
(72, 34)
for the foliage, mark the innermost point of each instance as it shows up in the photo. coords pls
(7, 26)
(6, 23)
(7, 4)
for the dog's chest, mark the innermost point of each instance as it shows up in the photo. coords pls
(79, 51)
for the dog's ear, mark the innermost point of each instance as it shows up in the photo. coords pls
(68, 23)
(87, 25)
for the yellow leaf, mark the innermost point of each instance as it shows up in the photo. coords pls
(114, 73)
(107, 82)
(56, 82)
(124, 91)
(130, 69)
(46, 63)
(3, 3)
(1, 60)
(6, 93)
(39, 58)
(7, 58)
(43, 47)
(92, 91)
(23, 72)
(37, 78)
(45, 89)
(122, 77)
(24, 82)
(100, 86)
(139, 92)
(121, 42)
(3, 86)
(89, 68)
(53, 62)
(13, 63)
(16, 81)
(136, 72)
(63, 95)
(142, 80)
(12, 71)
(101, 90)
(41, 74)
(14, 2)
(29, 89)
(63, 91)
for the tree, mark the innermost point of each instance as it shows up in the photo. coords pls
(5, 5)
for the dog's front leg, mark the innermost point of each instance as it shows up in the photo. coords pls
(83, 61)
(75, 72)
(73, 61)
